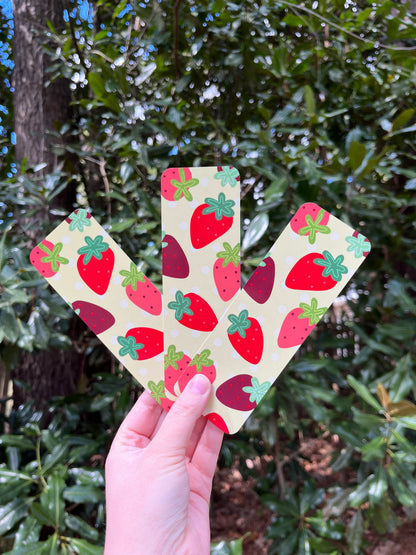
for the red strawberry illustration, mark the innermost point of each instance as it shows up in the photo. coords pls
(227, 271)
(211, 220)
(46, 258)
(316, 272)
(192, 311)
(309, 220)
(176, 182)
(141, 343)
(200, 364)
(242, 392)
(97, 318)
(358, 244)
(79, 219)
(299, 323)
(246, 336)
(174, 261)
(228, 175)
(157, 391)
(95, 264)
(141, 291)
(175, 364)
(216, 419)
(260, 284)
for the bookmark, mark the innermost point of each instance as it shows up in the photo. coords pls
(201, 262)
(107, 291)
(282, 302)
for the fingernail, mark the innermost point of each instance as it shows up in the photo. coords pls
(199, 384)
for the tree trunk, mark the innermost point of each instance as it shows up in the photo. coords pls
(38, 109)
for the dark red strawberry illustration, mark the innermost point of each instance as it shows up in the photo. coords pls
(97, 318)
(316, 272)
(246, 336)
(299, 323)
(242, 392)
(95, 264)
(200, 364)
(79, 219)
(216, 419)
(141, 291)
(227, 271)
(260, 284)
(176, 362)
(211, 220)
(176, 182)
(309, 220)
(157, 391)
(192, 311)
(141, 343)
(46, 258)
(174, 261)
(358, 244)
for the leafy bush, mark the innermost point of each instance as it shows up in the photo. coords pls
(312, 102)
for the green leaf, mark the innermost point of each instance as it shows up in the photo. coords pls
(85, 548)
(97, 84)
(377, 487)
(364, 393)
(403, 118)
(255, 231)
(310, 101)
(16, 441)
(43, 515)
(12, 513)
(355, 532)
(375, 449)
(51, 498)
(401, 490)
(357, 153)
(83, 494)
(76, 524)
(37, 548)
(27, 533)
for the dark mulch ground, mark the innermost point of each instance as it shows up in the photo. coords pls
(236, 508)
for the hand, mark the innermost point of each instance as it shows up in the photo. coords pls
(159, 477)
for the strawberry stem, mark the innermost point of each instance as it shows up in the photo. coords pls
(93, 248)
(183, 185)
(132, 277)
(220, 207)
(239, 324)
(312, 312)
(181, 306)
(333, 267)
(173, 357)
(230, 255)
(313, 226)
(53, 256)
(202, 360)
(157, 390)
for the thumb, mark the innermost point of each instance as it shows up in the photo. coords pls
(175, 432)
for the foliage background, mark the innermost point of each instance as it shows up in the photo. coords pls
(312, 102)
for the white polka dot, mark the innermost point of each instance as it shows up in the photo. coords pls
(57, 277)
(195, 289)
(130, 325)
(234, 354)
(274, 356)
(117, 280)
(334, 236)
(276, 332)
(159, 357)
(253, 368)
(282, 309)
(193, 204)
(242, 306)
(349, 273)
(290, 260)
(66, 240)
(173, 291)
(183, 226)
(283, 285)
(205, 269)
(311, 248)
(218, 341)
(293, 235)
(79, 285)
(72, 263)
(196, 333)
(216, 247)
(304, 297)
(174, 333)
(215, 292)
(114, 341)
(124, 303)
(172, 203)
(142, 371)
(204, 182)
(261, 319)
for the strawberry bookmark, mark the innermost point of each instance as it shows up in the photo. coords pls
(282, 302)
(201, 263)
(107, 291)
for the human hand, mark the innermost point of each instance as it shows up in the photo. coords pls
(159, 477)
